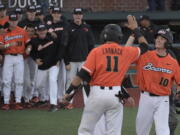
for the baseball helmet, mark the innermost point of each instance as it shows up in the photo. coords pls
(111, 32)
(165, 33)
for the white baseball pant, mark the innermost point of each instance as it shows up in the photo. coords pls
(50, 76)
(40, 84)
(61, 80)
(153, 108)
(100, 126)
(75, 67)
(102, 102)
(13, 65)
(29, 78)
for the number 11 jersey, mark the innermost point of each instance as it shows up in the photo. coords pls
(108, 63)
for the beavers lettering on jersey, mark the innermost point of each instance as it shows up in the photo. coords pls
(150, 66)
(8, 38)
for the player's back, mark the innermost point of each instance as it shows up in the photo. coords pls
(111, 62)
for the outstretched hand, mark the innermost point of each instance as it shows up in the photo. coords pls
(132, 23)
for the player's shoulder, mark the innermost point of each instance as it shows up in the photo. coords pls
(172, 59)
(20, 29)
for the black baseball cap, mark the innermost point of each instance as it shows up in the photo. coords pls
(38, 7)
(144, 17)
(31, 9)
(78, 11)
(13, 16)
(18, 11)
(51, 6)
(56, 10)
(41, 27)
(39, 12)
(2, 7)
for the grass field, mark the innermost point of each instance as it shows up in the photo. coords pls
(63, 122)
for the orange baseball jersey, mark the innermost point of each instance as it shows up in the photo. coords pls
(156, 74)
(4, 20)
(18, 36)
(108, 63)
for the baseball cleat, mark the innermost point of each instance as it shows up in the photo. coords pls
(53, 108)
(5, 107)
(18, 106)
(69, 106)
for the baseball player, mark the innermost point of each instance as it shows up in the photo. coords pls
(104, 69)
(31, 14)
(46, 52)
(157, 70)
(30, 68)
(19, 13)
(14, 47)
(81, 42)
(58, 29)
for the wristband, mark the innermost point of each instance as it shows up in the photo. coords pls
(29, 49)
(137, 33)
(71, 88)
(6, 45)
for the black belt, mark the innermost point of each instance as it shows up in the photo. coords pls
(13, 54)
(151, 94)
(102, 87)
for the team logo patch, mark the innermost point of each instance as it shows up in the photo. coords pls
(150, 66)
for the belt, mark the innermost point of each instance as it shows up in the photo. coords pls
(13, 54)
(151, 94)
(102, 87)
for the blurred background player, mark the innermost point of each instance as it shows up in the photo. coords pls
(14, 48)
(40, 16)
(3, 17)
(81, 42)
(30, 69)
(148, 29)
(45, 50)
(19, 13)
(58, 29)
(30, 18)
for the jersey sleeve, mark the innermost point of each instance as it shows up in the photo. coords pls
(90, 62)
(177, 75)
(133, 52)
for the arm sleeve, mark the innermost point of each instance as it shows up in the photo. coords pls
(143, 48)
(90, 62)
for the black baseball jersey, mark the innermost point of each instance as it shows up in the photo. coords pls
(26, 22)
(46, 49)
(81, 42)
